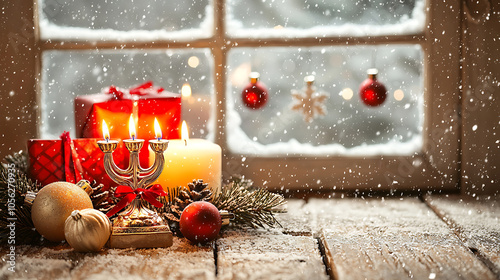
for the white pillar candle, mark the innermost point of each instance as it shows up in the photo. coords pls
(190, 159)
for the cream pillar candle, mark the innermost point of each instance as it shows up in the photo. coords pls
(190, 159)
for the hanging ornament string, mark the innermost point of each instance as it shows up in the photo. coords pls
(372, 92)
(374, 57)
(127, 195)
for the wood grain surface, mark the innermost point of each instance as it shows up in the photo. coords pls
(476, 221)
(181, 261)
(261, 254)
(391, 239)
(350, 238)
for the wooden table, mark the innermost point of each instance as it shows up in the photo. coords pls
(351, 238)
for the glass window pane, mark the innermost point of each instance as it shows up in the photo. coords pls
(349, 127)
(67, 74)
(299, 18)
(125, 19)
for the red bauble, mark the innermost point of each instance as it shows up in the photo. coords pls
(200, 222)
(254, 96)
(372, 92)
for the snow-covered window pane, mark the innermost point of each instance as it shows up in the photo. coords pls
(67, 74)
(142, 20)
(349, 126)
(304, 18)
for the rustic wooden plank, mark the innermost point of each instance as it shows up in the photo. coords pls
(391, 239)
(42, 262)
(268, 254)
(476, 221)
(297, 220)
(181, 261)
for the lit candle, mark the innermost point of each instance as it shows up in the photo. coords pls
(133, 145)
(159, 145)
(157, 130)
(190, 159)
(105, 131)
(107, 146)
(131, 127)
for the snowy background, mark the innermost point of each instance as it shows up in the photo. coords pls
(348, 123)
(394, 128)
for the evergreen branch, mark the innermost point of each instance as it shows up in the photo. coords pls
(14, 184)
(19, 159)
(253, 208)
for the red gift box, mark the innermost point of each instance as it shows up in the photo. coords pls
(144, 102)
(115, 106)
(71, 160)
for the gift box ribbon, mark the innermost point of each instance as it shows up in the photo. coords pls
(71, 160)
(140, 90)
(128, 195)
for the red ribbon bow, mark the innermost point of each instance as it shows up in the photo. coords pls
(128, 195)
(140, 90)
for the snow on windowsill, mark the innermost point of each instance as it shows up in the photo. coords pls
(407, 26)
(239, 142)
(49, 30)
(413, 25)
(52, 31)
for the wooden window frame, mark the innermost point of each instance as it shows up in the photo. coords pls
(436, 167)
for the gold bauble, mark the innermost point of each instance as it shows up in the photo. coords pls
(87, 230)
(53, 205)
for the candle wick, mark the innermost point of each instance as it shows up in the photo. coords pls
(185, 142)
(107, 139)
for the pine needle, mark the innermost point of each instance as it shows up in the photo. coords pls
(254, 208)
(15, 181)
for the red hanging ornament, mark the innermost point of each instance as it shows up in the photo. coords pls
(254, 96)
(372, 92)
(200, 222)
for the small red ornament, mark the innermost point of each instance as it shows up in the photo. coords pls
(372, 92)
(200, 222)
(254, 96)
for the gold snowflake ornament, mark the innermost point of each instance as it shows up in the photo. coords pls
(309, 102)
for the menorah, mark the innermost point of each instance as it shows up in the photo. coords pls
(136, 226)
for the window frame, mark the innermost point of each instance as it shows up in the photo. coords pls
(436, 167)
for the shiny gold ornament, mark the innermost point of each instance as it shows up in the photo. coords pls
(87, 230)
(53, 205)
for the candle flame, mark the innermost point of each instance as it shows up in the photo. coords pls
(131, 127)
(186, 90)
(184, 132)
(157, 130)
(105, 130)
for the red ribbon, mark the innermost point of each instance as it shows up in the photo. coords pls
(140, 90)
(128, 195)
(71, 160)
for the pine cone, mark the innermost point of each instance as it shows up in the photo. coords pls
(101, 200)
(196, 191)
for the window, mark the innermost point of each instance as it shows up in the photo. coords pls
(409, 143)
